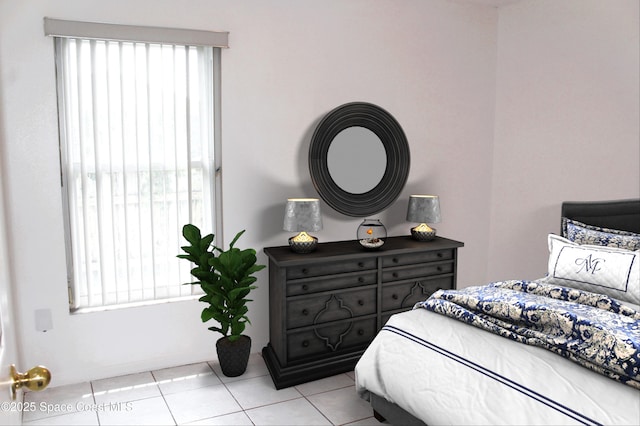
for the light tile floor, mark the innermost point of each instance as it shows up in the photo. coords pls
(199, 394)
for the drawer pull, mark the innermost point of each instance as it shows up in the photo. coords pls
(440, 254)
(361, 264)
(360, 279)
(395, 275)
(305, 343)
(439, 268)
(305, 312)
(305, 287)
(361, 302)
(395, 260)
(360, 332)
(305, 271)
(394, 296)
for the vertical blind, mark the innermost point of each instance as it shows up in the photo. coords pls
(137, 153)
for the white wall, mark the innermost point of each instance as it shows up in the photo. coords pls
(432, 64)
(567, 121)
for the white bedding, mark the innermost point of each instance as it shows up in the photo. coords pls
(483, 378)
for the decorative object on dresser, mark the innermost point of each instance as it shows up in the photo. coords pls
(423, 209)
(326, 306)
(371, 234)
(302, 215)
(226, 280)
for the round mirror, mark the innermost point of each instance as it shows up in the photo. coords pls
(361, 145)
(359, 159)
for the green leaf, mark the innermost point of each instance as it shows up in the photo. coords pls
(255, 268)
(191, 250)
(206, 314)
(221, 317)
(224, 328)
(239, 293)
(247, 281)
(237, 328)
(242, 311)
(217, 264)
(238, 235)
(189, 257)
(205, 243)
(243, 293)
(191, 233)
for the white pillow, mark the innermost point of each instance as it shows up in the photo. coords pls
(605, 270)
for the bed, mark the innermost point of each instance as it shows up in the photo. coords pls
(436, 365)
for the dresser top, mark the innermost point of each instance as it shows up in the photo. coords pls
(351, 249)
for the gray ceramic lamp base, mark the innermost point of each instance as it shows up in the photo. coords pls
(423, 236)
(304, 246)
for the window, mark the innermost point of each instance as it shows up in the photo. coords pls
(138, 137)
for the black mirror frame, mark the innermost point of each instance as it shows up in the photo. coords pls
(395, 143)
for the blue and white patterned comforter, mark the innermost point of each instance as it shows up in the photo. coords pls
(591, 329)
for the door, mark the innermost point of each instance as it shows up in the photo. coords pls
(9, 412)
(9, 409)
(35, 379)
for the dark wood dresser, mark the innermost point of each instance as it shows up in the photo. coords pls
(326, 306)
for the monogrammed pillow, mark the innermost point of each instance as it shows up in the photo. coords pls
(606, 270)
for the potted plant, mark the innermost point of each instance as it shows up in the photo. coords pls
(226, 278)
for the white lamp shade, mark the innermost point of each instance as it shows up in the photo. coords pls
(302, 214)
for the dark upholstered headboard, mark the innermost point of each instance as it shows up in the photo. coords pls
(615, 214)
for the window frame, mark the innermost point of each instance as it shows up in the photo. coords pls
(127, 33)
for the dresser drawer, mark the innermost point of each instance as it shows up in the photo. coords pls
(322, 341)
(405, 295)
(408, 272)
(412, 258)
(334, 282)
(330, 307)
(328, 268)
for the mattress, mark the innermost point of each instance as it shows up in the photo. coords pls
(444, 371)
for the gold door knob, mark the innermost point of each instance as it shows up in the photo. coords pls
(35, 379)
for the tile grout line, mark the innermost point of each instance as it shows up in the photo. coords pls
(319, 410)
(93, 397)
(222, 383)
(232, 396)
(175, 422)
(237, 402)
(54, 414)
(322, 412)
(211, 368)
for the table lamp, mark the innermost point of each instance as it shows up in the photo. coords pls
(423, 209)
(302, 215)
